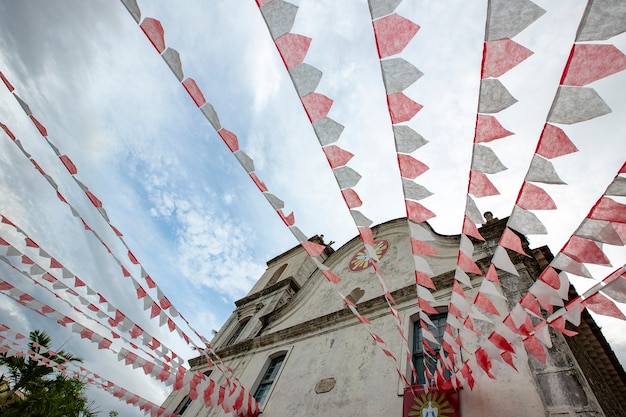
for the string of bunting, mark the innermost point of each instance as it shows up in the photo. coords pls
(230, 397)
(552, 143)
(160, 373)
(500, 54)
(551, 289)
(12, 345)
(114, 318)
(153, 30)
(392, 33)
(164, 303)
(279, 17)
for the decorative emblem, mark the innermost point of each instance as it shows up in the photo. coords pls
(362, 260)
(418, 403)
(432, 404)
(430, 411)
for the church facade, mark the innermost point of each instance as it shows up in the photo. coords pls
(296, 346)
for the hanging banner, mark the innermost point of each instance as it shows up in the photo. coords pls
(434, 403)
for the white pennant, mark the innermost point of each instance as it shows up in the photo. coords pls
(502, 261)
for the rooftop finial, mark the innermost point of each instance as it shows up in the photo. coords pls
(489, 217)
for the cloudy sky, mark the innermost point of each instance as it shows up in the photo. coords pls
(189, 212)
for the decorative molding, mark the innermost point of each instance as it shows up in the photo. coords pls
(287, 282)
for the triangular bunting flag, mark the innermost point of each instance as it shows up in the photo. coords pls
(502, 55)
(393, 33)
(591, 62)
(512, 241)
(502, 261)
(532, 197)
(601, 305)
(577, 104)
(585, 251)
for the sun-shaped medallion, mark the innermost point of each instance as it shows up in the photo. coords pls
(362, 260)
(431, 404)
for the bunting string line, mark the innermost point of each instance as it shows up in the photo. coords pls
(161, 373)
(114, 317)
(500, 54)
(279, 17)
(164, 303)
(392, 33)
(552, 288)
(541, 170)
(230, 398)
(517, 334)
(12, 345)
(153, 30)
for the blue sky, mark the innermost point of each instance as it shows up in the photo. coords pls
(188, 211)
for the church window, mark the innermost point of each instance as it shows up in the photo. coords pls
(183, 406)
(269, 376)
(419, 359)
(240, 326)
(276, 275)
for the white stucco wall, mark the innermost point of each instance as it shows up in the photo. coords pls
(366, 381)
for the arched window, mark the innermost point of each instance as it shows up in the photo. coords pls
(276, 275)
(269, 376)
(237, 332)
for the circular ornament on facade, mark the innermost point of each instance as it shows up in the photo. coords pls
(362, 260)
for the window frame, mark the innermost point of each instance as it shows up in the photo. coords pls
(262, 370)
(277, 275)
(417, 356)
(409, 317)
(241, 325)
(183, 405)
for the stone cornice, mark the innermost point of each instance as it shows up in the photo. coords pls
(366, 307)
(403, 294)
(287, 282)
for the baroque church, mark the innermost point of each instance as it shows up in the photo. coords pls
(295, 344)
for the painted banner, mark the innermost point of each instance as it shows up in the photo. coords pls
(434, 403)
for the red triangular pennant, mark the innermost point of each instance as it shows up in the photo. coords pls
(553, 143)
(501, 55)
(336, 156)
(600, 304)
(194, 92)
(480, 186)
(410, 167)
(154, 31)
(609, 210)
(484, 303)
(401, 108)
(467, 264)
(417, 212)
(470, 229)
(585, 251)
(419, 247)
(512, 241)
(488, 129)
(316, 106)
(532, 197)
(590, 62)
(292, 48)
(393, 33)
